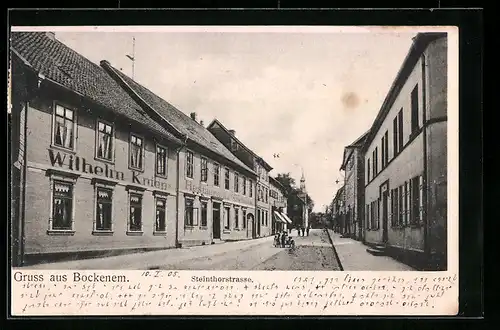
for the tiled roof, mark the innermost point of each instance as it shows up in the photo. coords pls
(68, 68)
(182, 122)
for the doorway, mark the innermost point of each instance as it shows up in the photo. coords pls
(251, 225)
(216, 220)
(259, 219)
(385, 220)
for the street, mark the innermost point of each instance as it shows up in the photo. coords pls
(313, 252)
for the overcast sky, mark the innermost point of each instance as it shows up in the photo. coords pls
(303, 96)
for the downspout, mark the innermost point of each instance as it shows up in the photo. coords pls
(424, 174)
(177, 190)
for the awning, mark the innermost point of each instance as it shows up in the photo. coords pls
(286, 218)
(278, 217)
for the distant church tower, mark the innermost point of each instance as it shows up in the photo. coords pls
(303, 193)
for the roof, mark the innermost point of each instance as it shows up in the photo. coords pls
(61, 65)
(420, 43)
(179, 120)
(260, 159)
(277, 183)
(350, 148)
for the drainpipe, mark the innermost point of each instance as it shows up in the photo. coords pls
(177, 190)
(424, 174)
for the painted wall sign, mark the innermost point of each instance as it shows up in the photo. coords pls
(204, 190)
(80, 164)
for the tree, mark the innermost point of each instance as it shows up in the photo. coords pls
(286, 181)
(295, 203)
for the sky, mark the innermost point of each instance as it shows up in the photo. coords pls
(303, 96)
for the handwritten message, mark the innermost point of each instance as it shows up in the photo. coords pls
(232, 293)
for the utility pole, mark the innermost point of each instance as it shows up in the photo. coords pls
(132, 58)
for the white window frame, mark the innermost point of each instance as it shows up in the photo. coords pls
(187, 164)
(216, 172)
(159, 145)
(113, 139)
(75, 126)
(68, 179)
(163, 197)
(140, 192)
(143, 148)
(107, 185)
(203, 158)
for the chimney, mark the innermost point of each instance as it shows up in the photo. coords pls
(193, 116)
(51, 35)
(232, 132)
(202, 123)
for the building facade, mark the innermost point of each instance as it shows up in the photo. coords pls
(405, 159)
(263, 218)
(337, 207)
(353, 166)
(94, 178)
(278, 201)
(102, 165)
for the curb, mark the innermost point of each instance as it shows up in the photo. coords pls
(334, 250)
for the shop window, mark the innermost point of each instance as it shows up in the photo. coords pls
(190, 216)
(62, 206)
(136, 150)
(189, 164)
(103, 221)
(104, 141)
(161, 215)
(64, 127)
(204, 214)
(161, 160)
(135, 213)
(226, 218)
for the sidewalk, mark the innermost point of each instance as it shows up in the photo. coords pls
(147, 260)
(354, 257)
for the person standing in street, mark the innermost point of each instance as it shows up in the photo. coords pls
(307, 230)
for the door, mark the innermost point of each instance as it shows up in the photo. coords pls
(385, 213)
(216, 220)
(251, 224)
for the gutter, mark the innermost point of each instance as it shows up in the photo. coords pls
(177, 191)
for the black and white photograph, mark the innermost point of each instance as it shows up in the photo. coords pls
(205, 148)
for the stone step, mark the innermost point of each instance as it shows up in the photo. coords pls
(376, 252)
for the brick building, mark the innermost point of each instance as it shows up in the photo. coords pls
(405, 159)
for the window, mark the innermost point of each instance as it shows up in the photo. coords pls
(400, 206)
(395, 133)
(226, 179)
(189, 164)
(414, 110)
(236, 218)
(226, 217)
(267, 223)
(104, 141)
(135, 214)
(383, 152)
(395, 207)
(244, 220)
(400, 130)
(64, 127)
(135, 151)
(161, 160)
(250, 188)
(416, 200)
(103, 209)
(406, 198)
(385, 147)
(216, 174)
(266, 192)
(244, 186)
(62, 206)
(375, 162)
(189, 214)
(161, 214)
(204, 206)
(368, 170)
(204, 170)
(236, 182)
(368, 224)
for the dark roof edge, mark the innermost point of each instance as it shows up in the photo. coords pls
(266, 165)
(417, 48)
(278, 183)
(108, 68)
